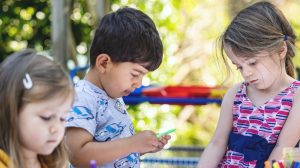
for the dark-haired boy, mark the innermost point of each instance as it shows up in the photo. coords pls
(126, 46)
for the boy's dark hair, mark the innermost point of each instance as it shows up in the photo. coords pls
(128, 35)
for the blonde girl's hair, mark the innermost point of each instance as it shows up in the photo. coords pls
(259, 27)
(48, 80)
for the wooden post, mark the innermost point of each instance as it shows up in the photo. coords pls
(98, 8)
(102, 8)
(59, 34)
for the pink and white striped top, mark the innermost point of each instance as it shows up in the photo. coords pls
(265, 121)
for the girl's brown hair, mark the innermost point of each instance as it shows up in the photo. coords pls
(260, 27)
(49, 80)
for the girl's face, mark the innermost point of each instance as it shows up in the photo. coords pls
(41, 125)
(122, 78)
(260, 71)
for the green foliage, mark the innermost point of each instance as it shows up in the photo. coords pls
(27, 24)
(82, 23)
(24, 24)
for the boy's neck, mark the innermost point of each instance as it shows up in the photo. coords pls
(93, 76)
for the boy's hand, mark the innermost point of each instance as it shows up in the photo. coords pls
(147, 141)
(163, 141)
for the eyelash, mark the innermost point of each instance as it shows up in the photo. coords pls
(46, 118)
(49, 118)
(251, 64)
(135, 76)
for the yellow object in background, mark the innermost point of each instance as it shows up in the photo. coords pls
(217, 93)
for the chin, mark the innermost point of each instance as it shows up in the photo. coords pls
(262, 87)
(114, 97)
(46, 151)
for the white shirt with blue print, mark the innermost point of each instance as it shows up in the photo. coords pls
(104, 118)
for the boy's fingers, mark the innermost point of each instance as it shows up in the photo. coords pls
(164, 141)
(168, 137)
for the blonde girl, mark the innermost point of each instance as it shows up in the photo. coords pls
(35, 94)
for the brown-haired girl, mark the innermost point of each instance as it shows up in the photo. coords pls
(259, 116)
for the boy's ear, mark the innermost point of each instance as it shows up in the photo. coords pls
(102, 62)
(283, 51)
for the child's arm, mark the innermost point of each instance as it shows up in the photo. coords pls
(83, 149)
(290, 133)
(215, 150)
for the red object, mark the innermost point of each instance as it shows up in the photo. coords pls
(178, 91)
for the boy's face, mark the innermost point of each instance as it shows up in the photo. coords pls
(120, 79)
(41, 125)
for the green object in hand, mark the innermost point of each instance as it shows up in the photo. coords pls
(164, 133)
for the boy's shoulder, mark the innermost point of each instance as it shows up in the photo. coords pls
(87, 91)
(86, 87)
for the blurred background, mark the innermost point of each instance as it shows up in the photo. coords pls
(189, 30)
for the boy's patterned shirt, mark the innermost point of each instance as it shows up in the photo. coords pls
(106, 119)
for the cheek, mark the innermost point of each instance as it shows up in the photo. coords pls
(32, 125)
(62, 133)
(119, 78)
(31, 135)
(262, 70)
(25, 127)
(124, 80)
(269, 72)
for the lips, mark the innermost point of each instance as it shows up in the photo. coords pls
(127, 92)
(253, 81)
(51, 141)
